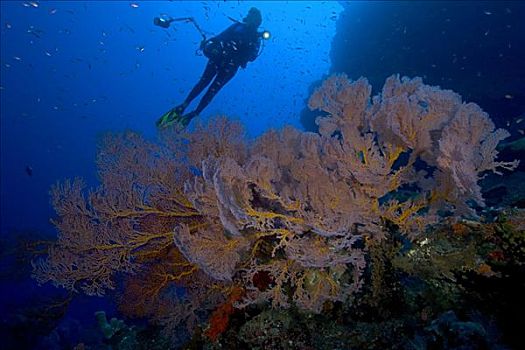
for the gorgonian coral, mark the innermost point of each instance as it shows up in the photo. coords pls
(310, 198)
(287, 217)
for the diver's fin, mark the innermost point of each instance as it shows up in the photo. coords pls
(168, 119)
(182, 123)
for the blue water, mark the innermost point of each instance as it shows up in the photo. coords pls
(72, 70)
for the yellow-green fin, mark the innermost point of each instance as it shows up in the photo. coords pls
(168, 119)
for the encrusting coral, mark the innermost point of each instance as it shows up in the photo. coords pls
(287, 217)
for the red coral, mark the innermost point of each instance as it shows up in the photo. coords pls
(262, 280)
(220, 318)
(496, 255)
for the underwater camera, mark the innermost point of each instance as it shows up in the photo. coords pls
(163, 22)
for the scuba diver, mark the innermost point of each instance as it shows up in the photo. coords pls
(226, 52)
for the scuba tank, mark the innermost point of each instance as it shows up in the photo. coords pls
(212, 48)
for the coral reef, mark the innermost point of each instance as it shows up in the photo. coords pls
(310, 199)
(206, 221)
(406, 304)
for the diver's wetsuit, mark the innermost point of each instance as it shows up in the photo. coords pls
(239, 45)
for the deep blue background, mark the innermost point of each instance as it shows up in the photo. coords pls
(71, 70)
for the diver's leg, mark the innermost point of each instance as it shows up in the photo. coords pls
(207, 76)
(224, 75)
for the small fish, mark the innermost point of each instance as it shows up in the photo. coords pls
(8, 25)
(509, 97)
(52, 11)
(519, 120)
(34, 31)
(17, 58)
(29, 170)
(521, 131)
(134, 5)
(33, 3)
(488, 13)
(140, 48)
(47, 53)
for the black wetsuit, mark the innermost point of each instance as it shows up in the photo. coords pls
(237, 45)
